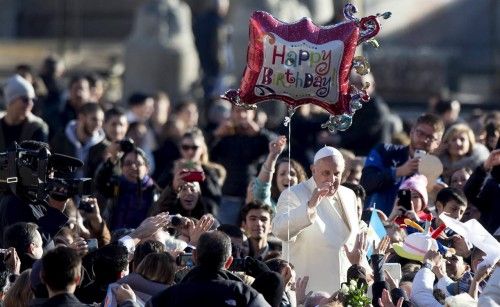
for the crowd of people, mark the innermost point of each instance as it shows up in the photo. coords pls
(212, 208)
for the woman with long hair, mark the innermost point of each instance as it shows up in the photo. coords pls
(460, 150)
(154, 274)
(276, 175)
(186, 202)
(194, 157)
(20, 293)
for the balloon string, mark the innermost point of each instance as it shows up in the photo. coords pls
(289, 178)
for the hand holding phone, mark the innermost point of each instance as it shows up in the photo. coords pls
(404, 199)
(185, 260)
(92, 245)
(193, 176)
(86, 206)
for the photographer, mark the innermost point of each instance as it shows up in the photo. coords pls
(39, 195)
(129, 195)
(86, 221)
(195, 162)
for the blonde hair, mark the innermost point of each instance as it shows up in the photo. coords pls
(159, 267)
(196, 134)
(460, 128)
(20, 293)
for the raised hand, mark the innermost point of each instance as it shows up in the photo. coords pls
(319, 193)
(202, 226)
(382, 247)
(434, 257)
(300, 290)
(410, 167)
(80, 246)
(386, 301)
(150, 226)
(12, 261)
(492, 160)
(124, 293)
(356, 255)
(277, 146)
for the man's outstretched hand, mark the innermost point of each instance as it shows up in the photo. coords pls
(356, 255)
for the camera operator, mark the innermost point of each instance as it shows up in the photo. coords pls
(18, 204)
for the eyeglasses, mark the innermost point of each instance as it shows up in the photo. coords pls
(422, 135)
(26, 99)
(186, 147)
(136, 163)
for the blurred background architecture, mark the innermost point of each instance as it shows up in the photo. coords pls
(428, 48)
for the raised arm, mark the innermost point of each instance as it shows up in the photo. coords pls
(262, 190)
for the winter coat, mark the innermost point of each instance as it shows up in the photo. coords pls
(205, 287)
(316, 242)
(379, 175)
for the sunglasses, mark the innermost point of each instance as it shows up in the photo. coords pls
(25, 99)
(189, 147)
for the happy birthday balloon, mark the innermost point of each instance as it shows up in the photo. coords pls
(301, 63)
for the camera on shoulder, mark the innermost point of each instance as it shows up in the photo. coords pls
(34, 173)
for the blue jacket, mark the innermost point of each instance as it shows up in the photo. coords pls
(379, 175)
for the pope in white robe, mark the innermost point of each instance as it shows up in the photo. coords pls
(315, 219)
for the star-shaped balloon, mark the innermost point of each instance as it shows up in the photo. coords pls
(301, 63)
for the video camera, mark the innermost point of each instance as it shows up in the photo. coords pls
(34, 173)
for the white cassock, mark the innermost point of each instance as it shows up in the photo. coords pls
(316, 243)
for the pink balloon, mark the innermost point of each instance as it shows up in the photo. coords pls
(301, 63)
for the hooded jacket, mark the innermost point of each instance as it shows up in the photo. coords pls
(67, 143)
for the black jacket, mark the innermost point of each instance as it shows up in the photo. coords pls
(484, 193)
(95, 158)
(239, 154)
(94, 292)
(62, 300)
(202, 287)
(48, 219)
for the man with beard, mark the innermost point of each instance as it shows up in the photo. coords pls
(115, 128)
(256, 221)
(388, 165)
(81, 134)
